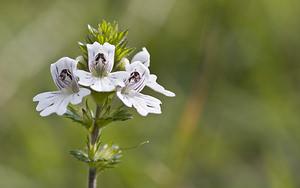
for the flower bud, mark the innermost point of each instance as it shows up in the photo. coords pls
(123, 62)
(80, 58)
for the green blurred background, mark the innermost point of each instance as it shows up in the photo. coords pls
(234, 66)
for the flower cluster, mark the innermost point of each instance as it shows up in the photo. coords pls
(127, 84)
(114, 82)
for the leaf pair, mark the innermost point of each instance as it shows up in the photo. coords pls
(102, 158)
(119, 115)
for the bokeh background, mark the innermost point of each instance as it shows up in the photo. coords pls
(234, 66)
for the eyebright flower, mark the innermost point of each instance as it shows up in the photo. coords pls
(101, 62)
(144, 58)
(69, 90)
(130, 94)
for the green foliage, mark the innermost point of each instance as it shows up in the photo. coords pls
(80, 155)
(106, 32)
(83, 116)
(118, 115)
(101, 157)
(247, 135)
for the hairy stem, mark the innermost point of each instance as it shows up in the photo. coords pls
(94, 136)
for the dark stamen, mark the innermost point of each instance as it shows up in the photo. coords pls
(135, 76)
(64, 73)
(100, 56)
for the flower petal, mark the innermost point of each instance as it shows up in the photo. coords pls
(143, 57)
(85, 78)
(109, 50)
(143, 75)
(46, 99)
(102, 84)
(140, 106)
(48, 111)
(124, 98)
(76, 98)
(117, 78)
(59, 106)
(152, 105)
(57, 67)
(106, 53)
(158, 88)
(144, 104)
(149, 100)
(93, 50)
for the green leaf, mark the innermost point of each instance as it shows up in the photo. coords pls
(119, 115)
(100, 39)
(107, 111)
(103, 26)
(80, 156)
(121, 37)
(82, 47)
(84, 118)
(115, 26)
(107, 156)
(72, 114)
(125, 52)
(92, 30)
(87, 115)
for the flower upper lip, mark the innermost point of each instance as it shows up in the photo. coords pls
(69, 90)
(101, 58)
(101, 62)
(144, 57)
(139, 77)
(62, 74)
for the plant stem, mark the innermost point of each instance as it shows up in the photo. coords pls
(92, 178)
(96, 129)
(94, 136)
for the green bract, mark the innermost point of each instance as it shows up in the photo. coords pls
(106, 32)
(99, 157)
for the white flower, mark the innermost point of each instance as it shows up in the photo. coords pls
(101, 62)
(69, 90)
(130, 94)
(144, 58)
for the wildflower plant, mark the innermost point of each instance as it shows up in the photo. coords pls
(103, 72)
